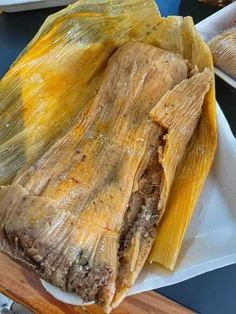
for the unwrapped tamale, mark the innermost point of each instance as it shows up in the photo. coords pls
(84, 217)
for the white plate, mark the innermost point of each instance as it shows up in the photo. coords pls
(225, 77)
(210, 241)
(24, 5)
(216, 24)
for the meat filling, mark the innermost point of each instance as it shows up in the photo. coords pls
(142, 214)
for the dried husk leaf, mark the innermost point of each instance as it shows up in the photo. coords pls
(195, 165)
(223, 48)
(58, 74)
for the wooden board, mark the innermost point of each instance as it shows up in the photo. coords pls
(25, 288)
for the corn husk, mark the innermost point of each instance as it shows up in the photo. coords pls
(223, 48)
(58, 73)
(179, 34)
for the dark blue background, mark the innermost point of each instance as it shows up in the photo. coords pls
(211, 293)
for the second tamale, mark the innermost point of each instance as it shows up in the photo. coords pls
(223, 47)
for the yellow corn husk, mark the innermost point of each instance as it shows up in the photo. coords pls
(223, 48)
(58, 73)
(199, 154)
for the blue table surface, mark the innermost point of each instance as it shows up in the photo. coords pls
(210, 293)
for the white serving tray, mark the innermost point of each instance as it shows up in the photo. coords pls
(210, 240)
(24, 5)
(216, 24)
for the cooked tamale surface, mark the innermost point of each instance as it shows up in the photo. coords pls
(64, 215)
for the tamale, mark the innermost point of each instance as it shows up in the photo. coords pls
(73, 205)
(223, 48)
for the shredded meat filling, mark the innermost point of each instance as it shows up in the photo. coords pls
(142, 213)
